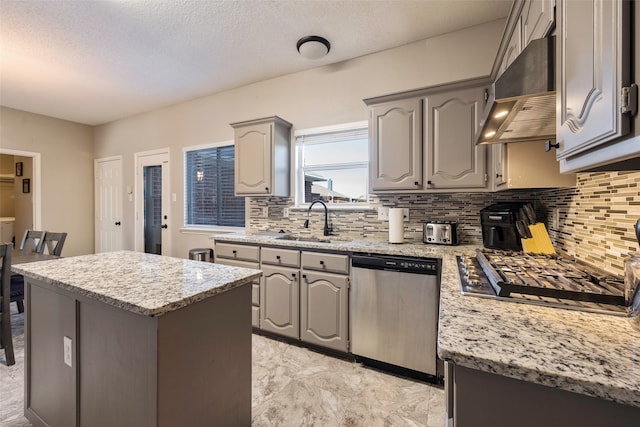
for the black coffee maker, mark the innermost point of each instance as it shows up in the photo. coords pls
(499, 226)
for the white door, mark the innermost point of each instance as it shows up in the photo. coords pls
(108, 204)
(152, 202)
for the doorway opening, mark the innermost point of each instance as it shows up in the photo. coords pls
(20, 185)
(152, 202)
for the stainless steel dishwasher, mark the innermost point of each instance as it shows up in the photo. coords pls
(394, 311)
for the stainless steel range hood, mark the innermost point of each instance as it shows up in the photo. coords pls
(522, 105)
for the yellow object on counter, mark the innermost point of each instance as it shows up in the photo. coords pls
(540, 242)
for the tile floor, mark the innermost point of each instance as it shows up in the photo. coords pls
(292, 386)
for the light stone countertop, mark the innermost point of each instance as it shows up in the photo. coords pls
(147, 284)
(592, 354)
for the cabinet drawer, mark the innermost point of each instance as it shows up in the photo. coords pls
(255, 317)
(255, 294)
(243, 264)
(284, 257)
(239, 252)
(325, 262)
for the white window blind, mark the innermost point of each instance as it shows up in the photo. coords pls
(209, 188)
(332, 164)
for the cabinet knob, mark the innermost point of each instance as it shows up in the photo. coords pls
(293, 276)
(266, 188)
(234, 252)
(278, 257)
(304, 276)
(498, 175)
(429, 182)
(416, 183)
(321, 262)
(117, 222)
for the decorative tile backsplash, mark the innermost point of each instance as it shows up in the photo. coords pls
(592, 222)
(596, 219)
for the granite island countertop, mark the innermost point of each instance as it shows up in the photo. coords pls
(146, 284)
(592, 354)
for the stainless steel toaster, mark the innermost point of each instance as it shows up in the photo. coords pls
(440, 232)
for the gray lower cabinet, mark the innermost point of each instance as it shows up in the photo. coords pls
(471, 396)
(279, 298)
(247, 256)
(324, 309)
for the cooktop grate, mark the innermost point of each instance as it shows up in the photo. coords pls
(550, 276)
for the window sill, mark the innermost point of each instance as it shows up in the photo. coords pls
(336, 207)
(209, 230)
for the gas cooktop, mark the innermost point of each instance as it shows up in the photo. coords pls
(542, 280)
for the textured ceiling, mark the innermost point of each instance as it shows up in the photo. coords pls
(94, 62)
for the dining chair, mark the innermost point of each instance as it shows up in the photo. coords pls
(32, 242)
(53, 243)
(6, 340)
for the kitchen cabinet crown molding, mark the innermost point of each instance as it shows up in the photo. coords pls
(429, 90)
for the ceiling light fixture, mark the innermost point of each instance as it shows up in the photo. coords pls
(313, 47)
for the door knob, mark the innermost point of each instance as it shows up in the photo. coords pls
(164, 226)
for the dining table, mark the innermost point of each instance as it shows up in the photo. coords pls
(20, 257)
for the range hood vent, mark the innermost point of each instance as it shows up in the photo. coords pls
(522, 105)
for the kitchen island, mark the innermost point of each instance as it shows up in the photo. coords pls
(133, 339)
(574, 358)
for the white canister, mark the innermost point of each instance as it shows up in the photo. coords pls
(396, 225)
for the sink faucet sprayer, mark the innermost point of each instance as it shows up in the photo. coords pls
(327, 229)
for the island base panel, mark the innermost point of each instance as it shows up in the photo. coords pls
(49, 383)
(191, 366)
(486, 399)
(204, 366)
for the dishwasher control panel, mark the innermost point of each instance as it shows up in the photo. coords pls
(405, 264)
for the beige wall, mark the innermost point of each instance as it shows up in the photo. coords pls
(67, 172)
(324, 96)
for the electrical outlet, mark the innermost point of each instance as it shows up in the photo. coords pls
(285, 213)
(67, 349)
(265, 212)
(383, 213)
(405, 214)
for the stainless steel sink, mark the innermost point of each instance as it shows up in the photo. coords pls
(328, 239)
(304, 239)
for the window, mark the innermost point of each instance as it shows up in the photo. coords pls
(332, 164)
(209, 187)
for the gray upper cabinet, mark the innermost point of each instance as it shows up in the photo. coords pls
(396, 145)
(514, 47)
(593, 67)
(453, 161)
(499, 163)
(537, 19)
(262, 157)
